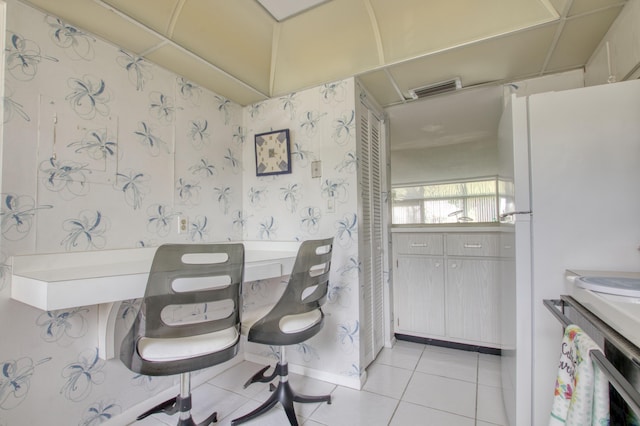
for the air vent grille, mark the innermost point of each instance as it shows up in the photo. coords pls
(435, 89)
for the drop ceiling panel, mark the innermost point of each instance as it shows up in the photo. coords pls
(201, 74)
(380, 87)
(283, 9)
(518, 55)
(90, 16)
(155, 14)
(559, 5)
(413, 27)
(333, 41)
(236, 36)
(580, 37)
(233, 36)
(584, 6)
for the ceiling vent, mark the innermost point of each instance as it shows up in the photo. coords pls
(435, 89)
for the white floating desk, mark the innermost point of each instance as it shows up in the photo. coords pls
(105, 278)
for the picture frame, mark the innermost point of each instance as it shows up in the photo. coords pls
(273, 153)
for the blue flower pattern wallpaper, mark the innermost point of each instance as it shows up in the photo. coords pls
(104, 150)
(296, 207)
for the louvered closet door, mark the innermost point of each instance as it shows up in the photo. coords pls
(370, 234)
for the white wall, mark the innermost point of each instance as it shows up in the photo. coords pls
(295, 207)
(135, 146)
(617, 58)
(442, 163)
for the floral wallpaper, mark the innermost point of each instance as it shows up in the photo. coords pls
(296, 206)
(104, 150)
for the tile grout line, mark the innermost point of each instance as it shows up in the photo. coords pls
(406, 386)
(395, 411)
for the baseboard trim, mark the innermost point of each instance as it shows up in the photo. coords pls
(447, 344)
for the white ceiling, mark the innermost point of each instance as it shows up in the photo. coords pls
(284, 9)
(470, 115)
(238, 50)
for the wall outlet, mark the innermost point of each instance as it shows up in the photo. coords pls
(183, 224)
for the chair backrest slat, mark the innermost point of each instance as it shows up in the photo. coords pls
(306, 291)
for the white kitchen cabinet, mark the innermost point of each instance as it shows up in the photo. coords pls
(447, 287)
(420, 295)
(473, 295)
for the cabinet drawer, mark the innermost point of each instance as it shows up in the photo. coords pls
(473, 244)
(508, 245)
(418, 243)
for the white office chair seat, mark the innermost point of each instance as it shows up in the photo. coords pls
(159, 349)
(288, 324)
(300, 322)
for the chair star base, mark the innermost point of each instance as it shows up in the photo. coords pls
(180, 404)
(262, 378)
(283, 393)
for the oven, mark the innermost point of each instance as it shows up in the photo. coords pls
(619, 359)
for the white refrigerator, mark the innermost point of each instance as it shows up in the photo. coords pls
(571, 164)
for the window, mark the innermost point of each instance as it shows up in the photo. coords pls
(452, 202)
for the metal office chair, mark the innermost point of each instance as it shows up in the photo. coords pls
(205, 278)
(296, 317)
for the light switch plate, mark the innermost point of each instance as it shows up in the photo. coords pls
(331, 205)
(316, 169)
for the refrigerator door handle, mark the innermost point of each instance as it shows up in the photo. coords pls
(509, 214)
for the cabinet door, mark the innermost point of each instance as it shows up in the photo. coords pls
(473, 300)
(419, 295)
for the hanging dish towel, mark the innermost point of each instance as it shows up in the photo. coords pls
(582, 391)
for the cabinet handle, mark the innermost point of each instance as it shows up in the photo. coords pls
(472, 245)
(454, 265)
(418, 244)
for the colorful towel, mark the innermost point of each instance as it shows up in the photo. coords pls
(582, 390)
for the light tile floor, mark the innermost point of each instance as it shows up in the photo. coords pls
(409, 384)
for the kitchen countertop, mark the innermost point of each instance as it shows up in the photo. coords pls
(620, 312)
(451, 227)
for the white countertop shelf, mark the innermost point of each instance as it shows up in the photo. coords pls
(65, 280)
(107, 277)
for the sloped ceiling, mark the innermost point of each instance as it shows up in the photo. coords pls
(238, 50)
(465, 116)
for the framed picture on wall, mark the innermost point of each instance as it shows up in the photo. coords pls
(273, 155)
